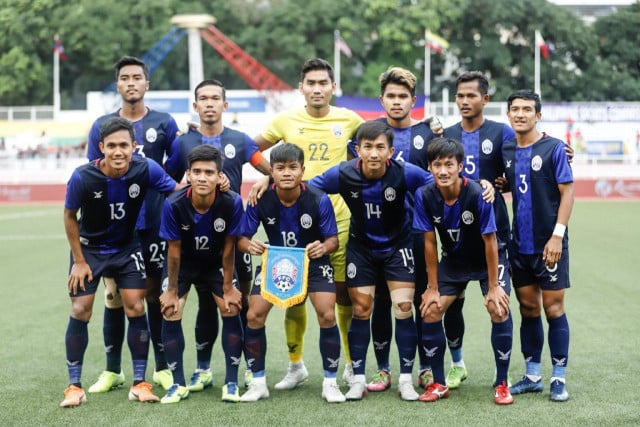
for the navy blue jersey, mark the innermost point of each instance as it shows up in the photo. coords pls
(236, 147)
(534, 173)
(110, 207)
(379, 215)
(483, 160)
(460, 226)
(154, 134)
(202, 236)
(311, 218)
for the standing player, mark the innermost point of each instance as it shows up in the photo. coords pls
(322, 131)
(374, 187)
(466, 225)
(294, 215)
(200, 225)
(154, 132)
(541, 180)
(237, 149)
(482, 141)
(109, 194)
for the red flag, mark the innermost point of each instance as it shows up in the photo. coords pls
(342, 45)
(543, 46)
(58, 48)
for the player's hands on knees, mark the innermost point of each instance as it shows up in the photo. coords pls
(79, 271)
(430, 296)
(501, 184)
(169, 302)
(499, 298)
(316, 250)
(232, 297)
(256, 247)
(224, 183)
(552, 251)
(489, 193)
(257, 190)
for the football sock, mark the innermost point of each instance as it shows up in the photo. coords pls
(406, 340)
(255, 348)
(434, 342)
(330, 350)
(453, 321)
(559, 345)
(343, 318)
(232, 346)
(381, 331)
(359, 337)
(295, 324)
(113, 328)
(206, 331)
(154, 318)
(501, 341)
(173, 339)
(138, 340)
(76, 340)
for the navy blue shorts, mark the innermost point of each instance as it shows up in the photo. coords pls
(154, 251)
(203, 277)
(125, 267)
(244, 266)
(320, 278)
(365, 267)
(530, 270)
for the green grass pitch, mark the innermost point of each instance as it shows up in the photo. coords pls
(602, 305)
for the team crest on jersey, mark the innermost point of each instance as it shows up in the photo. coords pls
(305, 221)
(134, 191)
(337, 131)
(418, 142)
(389, 194)
(151, 135)
(467, 217)
(487, 146)
(219, 225)
(351, 270)
(284, 274)
(229, 151)
(536, 163)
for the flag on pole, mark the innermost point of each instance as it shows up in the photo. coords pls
(435, 42)
(541, 44)
(341, 45)
(58, 48)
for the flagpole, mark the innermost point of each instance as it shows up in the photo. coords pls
(336, 62)
(536, 65)
(427, 73)
(56, 82)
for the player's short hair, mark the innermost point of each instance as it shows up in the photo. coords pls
(286, 152)
(442, 148)
(316, 64)
(470, 76)
(372, 129)
(205, 153)
(398, 76)
(115, 124)
(131, 60)
(211, 82)
(527, 94)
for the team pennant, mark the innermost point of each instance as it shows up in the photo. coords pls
(284, 275)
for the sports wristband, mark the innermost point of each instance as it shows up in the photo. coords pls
(559, 230)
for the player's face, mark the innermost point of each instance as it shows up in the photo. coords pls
(203, 176)
(374, 154)
(117, 149)
(210, 104)
(445, 171)
(397, 101)
(469, 100)
(287, 175)
(522, 115)
(132, 84)
(317, 88)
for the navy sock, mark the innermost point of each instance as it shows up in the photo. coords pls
(330, 349)
(434, 343)
(359, 337)
(406, 340)
(453, 321)
(559, 344)
(501, 341)
(255, 348)
(381, 331)
(531, 338)
(173, 340)
(138, 340)
(113, 328)
(207, 326)
(424, 362)
(154, 319)
(232, 342)
(76, 340)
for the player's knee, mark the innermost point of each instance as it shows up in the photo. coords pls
(554, 310)
(81, 310)
(402, 302)
(255, 319)
(327, 318)
(112, 297)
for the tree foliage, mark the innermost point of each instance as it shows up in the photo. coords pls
(596, 62)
